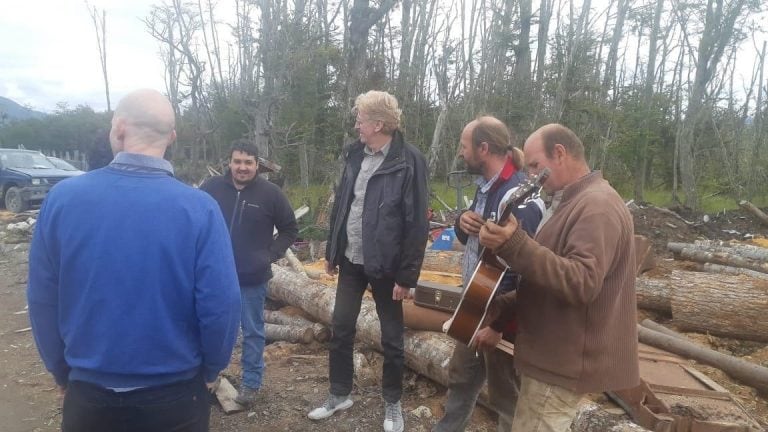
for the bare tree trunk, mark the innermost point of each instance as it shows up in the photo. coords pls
(609, 78)
(641, 160)
(715, 37)
(545, 15)
(759, 139)
(522, 73)
(100, 25)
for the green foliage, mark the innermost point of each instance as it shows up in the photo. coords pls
(66, 129)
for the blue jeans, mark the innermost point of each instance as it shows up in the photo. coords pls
(252, 323)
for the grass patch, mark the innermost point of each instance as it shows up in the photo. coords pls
(709, 201)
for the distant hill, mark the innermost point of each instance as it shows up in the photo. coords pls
(11, 111)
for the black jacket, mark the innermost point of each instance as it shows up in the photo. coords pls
(251, 215)
(395, 225)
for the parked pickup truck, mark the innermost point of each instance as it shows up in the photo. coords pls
(26, 176)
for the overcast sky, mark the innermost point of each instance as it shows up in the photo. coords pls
(49, 54)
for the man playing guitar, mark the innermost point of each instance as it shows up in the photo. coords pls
(486, 150)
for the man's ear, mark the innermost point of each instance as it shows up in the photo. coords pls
(559, 152)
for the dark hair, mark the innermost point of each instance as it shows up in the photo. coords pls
(558, 134)
(494, 132)
(245, 146)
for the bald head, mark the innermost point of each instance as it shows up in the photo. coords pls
(143, 122)
(553, 134)
(557, 148)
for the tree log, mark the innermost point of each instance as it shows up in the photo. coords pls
(294, 262)
(728, 258)
(748, 251)
(320, 332)
(442, 261)
(743, 371)
(731, 306)
(425, 352)
(277, 332)
(748, 206)
(653, 325)
(421, 318)
(717, 268)
(655, 294)
(724, 305)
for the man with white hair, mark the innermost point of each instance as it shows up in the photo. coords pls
(378, 233)
(135, 310)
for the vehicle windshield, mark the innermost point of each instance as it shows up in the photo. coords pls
(25, 160)
(62, 164)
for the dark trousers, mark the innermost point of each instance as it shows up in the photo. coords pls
(179, 407)
(349, 296)
(467, 373)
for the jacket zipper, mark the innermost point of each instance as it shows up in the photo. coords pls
(234, 212)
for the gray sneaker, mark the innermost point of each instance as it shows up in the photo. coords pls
(331, 405)
(246, 396)
(393, 417)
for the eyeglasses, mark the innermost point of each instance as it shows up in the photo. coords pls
(359, 121)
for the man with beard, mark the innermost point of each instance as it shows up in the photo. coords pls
(485, 143)
(253, 207)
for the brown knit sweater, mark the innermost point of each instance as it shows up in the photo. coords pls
(576, 306)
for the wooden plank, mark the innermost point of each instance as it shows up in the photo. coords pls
(226, 395)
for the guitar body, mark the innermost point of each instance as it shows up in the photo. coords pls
(482, 287)
(473, 307)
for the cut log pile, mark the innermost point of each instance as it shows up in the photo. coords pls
(729, 299)
(724, 305)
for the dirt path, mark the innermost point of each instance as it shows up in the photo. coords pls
(28, 400)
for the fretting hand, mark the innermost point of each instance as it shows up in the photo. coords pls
(471, 222)
(493, 236)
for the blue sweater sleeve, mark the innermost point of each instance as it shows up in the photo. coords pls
(43, 300)
(217, 293)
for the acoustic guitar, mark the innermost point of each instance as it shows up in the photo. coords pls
(481, 289)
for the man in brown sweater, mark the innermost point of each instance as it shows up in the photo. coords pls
(576, 306)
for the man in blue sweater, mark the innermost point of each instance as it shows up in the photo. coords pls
(254, 209)
(133, 294)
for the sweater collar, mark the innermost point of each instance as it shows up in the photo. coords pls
(579, 185)
(142, 161)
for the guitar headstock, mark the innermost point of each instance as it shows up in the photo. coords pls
(527, 190)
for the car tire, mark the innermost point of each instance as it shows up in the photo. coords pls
(14, 202)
